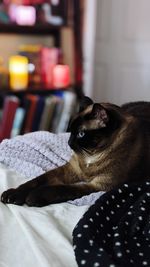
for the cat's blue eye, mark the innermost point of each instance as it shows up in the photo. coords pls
(80, 134)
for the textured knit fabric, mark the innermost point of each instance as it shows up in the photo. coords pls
(115, 231)
(35, 153)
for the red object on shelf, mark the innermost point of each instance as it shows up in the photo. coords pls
(49, 58)
(61, 76)
(11, 104)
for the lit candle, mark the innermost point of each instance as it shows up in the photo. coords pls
(61, 76)
(25, 15)
(18, 71)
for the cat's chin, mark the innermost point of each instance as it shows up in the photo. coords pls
(74, 147)
(77, 150)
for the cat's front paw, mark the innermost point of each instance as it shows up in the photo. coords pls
(13, 196)
(36, 200)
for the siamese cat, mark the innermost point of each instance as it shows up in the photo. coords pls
(111, 145)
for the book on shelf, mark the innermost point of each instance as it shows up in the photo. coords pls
(67, 112)
(26, 106)
(59, 102)
(33, 99)
(47, 113)
(11, 103)
(38, 113)
(18, 120)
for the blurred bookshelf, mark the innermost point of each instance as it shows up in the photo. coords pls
(23, 111)
(25, 29)
(39, 91)
(40, 29)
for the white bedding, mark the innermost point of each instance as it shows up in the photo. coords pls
(36, 237)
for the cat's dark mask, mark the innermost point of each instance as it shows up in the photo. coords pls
(94, 125)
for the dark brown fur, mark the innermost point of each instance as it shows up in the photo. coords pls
(111, 145)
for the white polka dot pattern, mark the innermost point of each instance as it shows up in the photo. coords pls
(115, 231)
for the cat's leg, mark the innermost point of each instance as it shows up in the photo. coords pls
(54, 177)
(46, 195)
(18, 195)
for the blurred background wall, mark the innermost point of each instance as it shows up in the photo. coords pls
(117, 50)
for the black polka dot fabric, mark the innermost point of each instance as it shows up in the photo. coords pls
(115, 231)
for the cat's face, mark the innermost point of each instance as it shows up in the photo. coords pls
(94, 127)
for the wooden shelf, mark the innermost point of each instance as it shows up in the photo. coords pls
(39, 90)
(38, 29)
(76, 88)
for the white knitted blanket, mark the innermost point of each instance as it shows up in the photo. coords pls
(35, 153)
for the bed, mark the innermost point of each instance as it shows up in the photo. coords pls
(38, 237)
(111, 229)
(34, 236)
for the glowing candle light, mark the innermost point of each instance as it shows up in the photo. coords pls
(18, 71)
(61, 76)
(25, 15)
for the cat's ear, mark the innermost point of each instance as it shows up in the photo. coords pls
(100, 113)
(85, 102)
